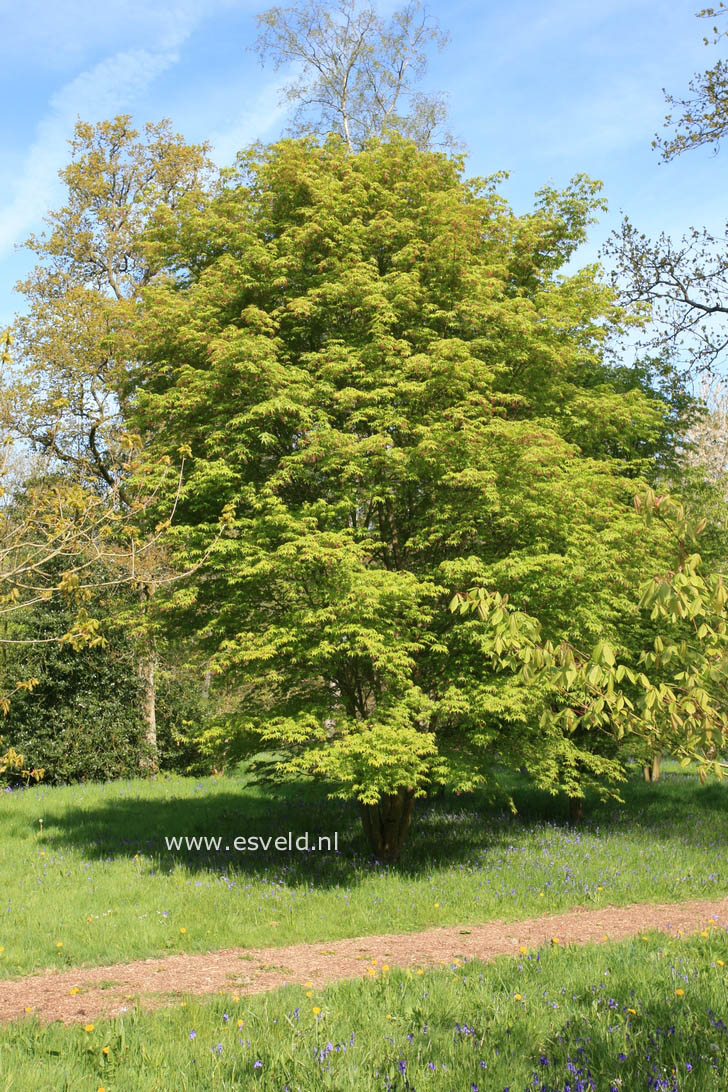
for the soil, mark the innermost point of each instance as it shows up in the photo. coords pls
(86, 993)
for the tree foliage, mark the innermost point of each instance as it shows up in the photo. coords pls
(384, 371)
(74, 346)
(672, 695)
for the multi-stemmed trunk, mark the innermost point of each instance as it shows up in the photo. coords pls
(576, 809)
(385, 823)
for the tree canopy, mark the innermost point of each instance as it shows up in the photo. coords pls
(382, 369)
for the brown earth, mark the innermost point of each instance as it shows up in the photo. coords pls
(84, 994)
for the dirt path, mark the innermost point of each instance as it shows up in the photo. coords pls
(86, 993)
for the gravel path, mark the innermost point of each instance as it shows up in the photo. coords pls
(86, 993)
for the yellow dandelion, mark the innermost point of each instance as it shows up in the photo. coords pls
(437, 906)
(704, 933)
(633, 1011)
(59, 944)
(235, 997)
(101, 1088)
(28, 1008)
(389, 1016)
(183, 930)
(600, 889)
(679, 992)
(316, 1010)
(523, 949)
(105, 1050)
(309, 993)
(385, 966)
(719, 962)
(555, 940)
(541, 895)
(420, 971)
(183, 1004)
(518, 997)
(88, 1027)
(240, 1023)
(370, 970)
(310, 984)
(76, 989)
(644, 938)
(89, 919)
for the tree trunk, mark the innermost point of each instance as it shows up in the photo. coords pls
(385, 824)
(576, 809)
(149, 762)
(652, 772)
(656, 764)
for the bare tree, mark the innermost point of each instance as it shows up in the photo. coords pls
(356, 71)
(683, 284)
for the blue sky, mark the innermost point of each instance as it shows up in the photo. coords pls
(543, 89)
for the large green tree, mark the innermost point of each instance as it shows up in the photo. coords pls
(384, 370)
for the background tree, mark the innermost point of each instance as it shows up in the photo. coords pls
(684, 284)
(704, 116)
(384, 371)
(670, 696)
(356, 72)
(73, 342)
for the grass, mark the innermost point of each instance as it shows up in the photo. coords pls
(638, 1015)
(97, 884)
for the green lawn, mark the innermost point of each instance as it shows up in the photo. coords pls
(624, 1017)
(97, 884)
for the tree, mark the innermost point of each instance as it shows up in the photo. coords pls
(356, 71)
(672, 695)
(704, 117)
(383, 370)
(73, 342)
(683, 285)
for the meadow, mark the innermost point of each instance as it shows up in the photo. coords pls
(86, 878)
(649, 1013)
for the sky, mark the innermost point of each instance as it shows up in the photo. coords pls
(544, 89)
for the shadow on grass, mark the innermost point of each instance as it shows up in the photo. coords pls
(447, 832)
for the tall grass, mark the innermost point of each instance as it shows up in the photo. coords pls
(93, 883)
(639, 1015)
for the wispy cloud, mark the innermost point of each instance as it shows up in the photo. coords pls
(108, 88)
(262, 115)
(38, 33)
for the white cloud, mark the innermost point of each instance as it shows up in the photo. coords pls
(106, 89)
(261, 115)
(57, 34)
